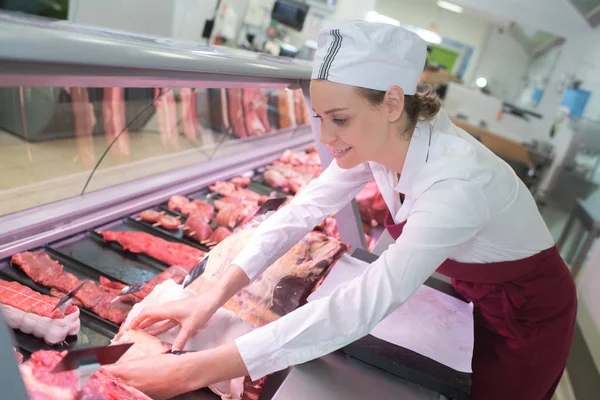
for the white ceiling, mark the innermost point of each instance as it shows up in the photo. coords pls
(558, 17)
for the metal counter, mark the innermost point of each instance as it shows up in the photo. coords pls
(336, 376)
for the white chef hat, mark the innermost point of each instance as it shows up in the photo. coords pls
(371, 55)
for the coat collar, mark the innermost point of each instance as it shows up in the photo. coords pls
(418, 152)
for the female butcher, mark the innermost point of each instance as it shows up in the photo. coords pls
(453, 207)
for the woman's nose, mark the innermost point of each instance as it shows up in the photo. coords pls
(325, 136)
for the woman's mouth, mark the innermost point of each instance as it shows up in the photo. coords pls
(340, 152)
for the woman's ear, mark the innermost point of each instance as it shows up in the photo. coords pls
(394, 103)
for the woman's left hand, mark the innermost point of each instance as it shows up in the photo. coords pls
(160, 377)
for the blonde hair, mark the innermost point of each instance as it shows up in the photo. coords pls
(422, 106)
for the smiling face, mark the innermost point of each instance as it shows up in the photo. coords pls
(354, 130)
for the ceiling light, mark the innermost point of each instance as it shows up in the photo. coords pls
(374, 16)
(428, 36)
(481, 82)
(446, 5)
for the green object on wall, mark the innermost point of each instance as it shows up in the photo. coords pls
(442, 56)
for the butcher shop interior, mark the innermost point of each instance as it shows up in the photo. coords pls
(133, 144)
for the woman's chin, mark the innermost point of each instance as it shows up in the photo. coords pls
(347, 162)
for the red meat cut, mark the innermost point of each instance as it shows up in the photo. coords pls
(42, 384)
(198, 227)
(48, 272)
(163, 250)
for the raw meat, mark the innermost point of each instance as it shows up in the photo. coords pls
(219, 110)
(219, 235)
(115, 120)
(298, 109)
(304, 162)
(223, 327)
(226, 201)
(83, 114)
(31, 313)
(236, 113)
(48, 272)
(331, 228)
(198, 227)
(166, 113)
(371, 205)
(176, 202)
(285, 108)
(150, 216)
(229, 189)
(241, 181)
(104, 386)
(144, 344)
(295, 181)
(199, 206)
(251, 119)
(42, 384)
(262, 109)
(169, 222)
(169, 252)
(188, 114)
(275, 179)
(174, 272)
(232, 216)
(284, 286)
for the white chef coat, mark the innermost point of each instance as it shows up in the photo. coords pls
(461, 202)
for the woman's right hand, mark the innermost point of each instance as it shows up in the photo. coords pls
(191, 314)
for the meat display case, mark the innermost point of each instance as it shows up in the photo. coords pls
(98, 125)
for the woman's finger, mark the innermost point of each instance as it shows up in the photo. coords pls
(162, 328)
(148, 322)
(157, 314)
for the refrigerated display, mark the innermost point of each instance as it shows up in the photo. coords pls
(125, 159)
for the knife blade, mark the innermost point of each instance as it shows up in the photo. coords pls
(102, 355)
(62, 303)
(86, 362)
(130, 290)
(196, 271)
(270, 205)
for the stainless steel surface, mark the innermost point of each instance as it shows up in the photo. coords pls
(36, 51)
(10, 378)
(348, 218)
(336, 377)
(35, 227)
(586, 217)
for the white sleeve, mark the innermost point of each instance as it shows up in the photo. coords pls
(325, 195)
(447, 215)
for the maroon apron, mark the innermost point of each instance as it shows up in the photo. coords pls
(524, 314)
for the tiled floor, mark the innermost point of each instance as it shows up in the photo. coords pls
(582, 380)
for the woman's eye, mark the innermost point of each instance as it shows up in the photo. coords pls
(316, 116)
(340, 121)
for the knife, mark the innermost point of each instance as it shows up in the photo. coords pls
(129, 290)
(270, 205)
(64, 302)
(87, 362)
(196, 271)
